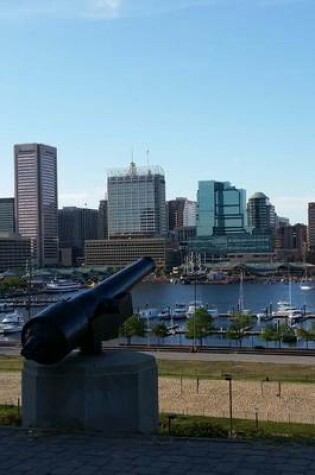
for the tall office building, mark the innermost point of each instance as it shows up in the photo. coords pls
(291, 242)
(36, 204)
(75, 226)
(7, 220)
(221, 209)
(189, 214)
(102, 220)
(259, 211)
(136, 202)
(181, 213)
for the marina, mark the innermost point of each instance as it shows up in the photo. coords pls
(167, 303)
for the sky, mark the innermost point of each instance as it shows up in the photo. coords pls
(213, 89)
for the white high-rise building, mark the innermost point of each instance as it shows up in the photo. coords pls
(189, 214)
(36, 203)
(136, 202)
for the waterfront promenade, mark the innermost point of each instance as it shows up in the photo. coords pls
(84, 454)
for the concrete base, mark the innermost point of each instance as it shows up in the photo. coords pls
(116, 392)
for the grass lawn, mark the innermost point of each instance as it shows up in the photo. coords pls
(201, 426)
(239, 370)
(211, 369)
(10, 415)
(10, 363)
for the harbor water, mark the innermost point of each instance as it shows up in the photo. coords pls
(257, 297)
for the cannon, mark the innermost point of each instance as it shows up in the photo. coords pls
(85, 320)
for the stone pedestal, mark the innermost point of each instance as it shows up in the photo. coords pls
(115, 392)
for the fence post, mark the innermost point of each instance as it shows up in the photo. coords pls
(256, 418)
(229, 378)
(279, 389)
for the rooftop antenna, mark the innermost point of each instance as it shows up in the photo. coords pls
(147, 156)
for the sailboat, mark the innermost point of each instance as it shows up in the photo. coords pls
(287, 310)
(306, 283)
(240, 304)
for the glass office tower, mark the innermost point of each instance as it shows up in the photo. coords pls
(259, 212)
(136, 202)
(7, 220)
(36, 204)
(221, 209)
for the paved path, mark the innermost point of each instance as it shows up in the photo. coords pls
(279, 359)
(49, 454)
(285, 359)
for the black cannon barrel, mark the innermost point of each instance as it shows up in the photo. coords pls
(85, 319)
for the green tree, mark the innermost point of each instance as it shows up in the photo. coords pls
(239, 326)
(306, 335)
(12, 283)
(287, 334)
(133, 326)
(278, 333)
(269, 333)
(200, 325)
(160, 331)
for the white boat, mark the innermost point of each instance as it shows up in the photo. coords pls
(180, 311)
(63, 285)
(307, 284)
(164, 314)
(193, 306)
(213, 312)
(12, 323)
(288, 311)
(149, 313)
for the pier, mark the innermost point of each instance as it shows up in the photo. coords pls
(26, 302)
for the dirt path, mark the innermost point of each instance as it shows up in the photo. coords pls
(271, 401)
(287, 402)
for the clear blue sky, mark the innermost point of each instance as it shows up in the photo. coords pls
(215, 89)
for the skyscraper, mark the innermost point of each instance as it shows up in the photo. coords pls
(221, 209)
(36, 204)
(7, 221)
(75, 226)
(136, 202)
(259, 212)
(102, 220)
(181, 213)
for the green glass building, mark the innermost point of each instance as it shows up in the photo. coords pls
(222, 226)
(221, 209)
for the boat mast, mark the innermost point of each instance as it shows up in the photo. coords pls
(241, 295)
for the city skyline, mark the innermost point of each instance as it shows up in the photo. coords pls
(215, 90)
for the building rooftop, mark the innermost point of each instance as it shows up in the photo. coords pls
(257, 195)
(134, 170)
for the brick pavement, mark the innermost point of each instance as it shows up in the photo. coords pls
(61, 454)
